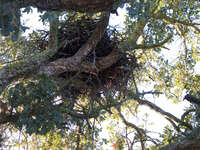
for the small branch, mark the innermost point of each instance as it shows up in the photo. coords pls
(182, 35)
(175, 21)
(140, 131)
(53, 38)
(135, 84)
(187, 113)
(155, 108)
(150, 92)
(174, 125)
(107, 61)
(154, 45)
(162, 112)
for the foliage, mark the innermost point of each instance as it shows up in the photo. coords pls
(31, 100)
(45, 106)
(10, 20)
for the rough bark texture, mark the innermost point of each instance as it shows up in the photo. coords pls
(62, 5)
(74, 63)
(30, 65)
(69, 64)
(186, 145)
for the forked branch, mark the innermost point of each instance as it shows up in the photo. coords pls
(74, 63)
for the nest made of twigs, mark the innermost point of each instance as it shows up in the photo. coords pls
(77, 32)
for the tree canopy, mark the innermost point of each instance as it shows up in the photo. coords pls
(59, 86)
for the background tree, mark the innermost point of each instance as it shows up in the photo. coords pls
(64, 82)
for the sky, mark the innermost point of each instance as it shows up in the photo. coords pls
(32, 21)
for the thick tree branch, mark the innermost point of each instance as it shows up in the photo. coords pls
(86, 66)
(63, 5)
(154, 107)
(77, 62)
(74, 63)
(29, 65)
(185, 145)
(136, 32)
(162, 112)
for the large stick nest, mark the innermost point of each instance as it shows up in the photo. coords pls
(76, 32)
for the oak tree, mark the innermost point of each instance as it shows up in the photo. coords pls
(58, 83)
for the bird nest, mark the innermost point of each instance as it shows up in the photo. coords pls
(77, 32)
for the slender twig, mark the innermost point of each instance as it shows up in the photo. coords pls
(175, 21)
(187, 113)
(140, 131)
(162, 112)
(142, 46)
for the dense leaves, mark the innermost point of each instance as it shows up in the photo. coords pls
(158, 48)
(10, 20)
(34, 104)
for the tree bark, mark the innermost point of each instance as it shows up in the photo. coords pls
(74, 63)
(63, 5)
(186, 145)
(30, 65)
